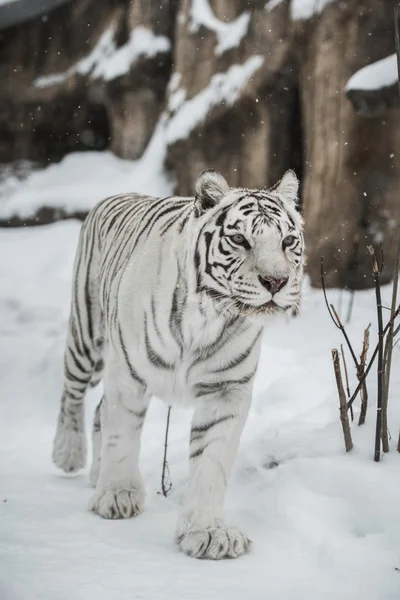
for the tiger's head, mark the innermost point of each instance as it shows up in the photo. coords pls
(248, 245)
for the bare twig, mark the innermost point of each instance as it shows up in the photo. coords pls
(345, 371)
(372, 359)
(387, 355)
(346, 374)
(338, 323)
(360, 373)
(342, 400)
(342, 329)
(376, 274)
(325, 296)
(166, 483)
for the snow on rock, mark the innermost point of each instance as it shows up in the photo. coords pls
(271, 4)
(82, 179)
(382, 73)
(176, 95)
(305, 9)
(229, 35)
(223, 88)
(142, 42)
(323, 524)
(106, 61)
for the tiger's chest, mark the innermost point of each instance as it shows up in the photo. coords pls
(195, 355)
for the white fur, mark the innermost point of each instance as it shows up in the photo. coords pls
(69, 450)
(166, 336)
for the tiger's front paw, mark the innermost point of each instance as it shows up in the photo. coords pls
(214, 543)
(118, 504)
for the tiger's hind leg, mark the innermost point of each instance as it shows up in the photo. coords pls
(83, 352)
(96, 445)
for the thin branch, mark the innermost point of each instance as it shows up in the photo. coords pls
(342, 329)
(387, 355)
(344, 418)
(372, 359)
(360, 373)
(166, 483)
(336, 320)
(325, 296)
(345, 371)
(346, 374)
(376, 274)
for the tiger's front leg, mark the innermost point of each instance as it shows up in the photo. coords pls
(120, 490)
(216, 428)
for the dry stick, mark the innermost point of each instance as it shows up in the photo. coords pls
(371, 362)
(387, 355)
(337, 322)
(344, 418)
(345, 371)
(376, 274)
(165, 470)
(346, 374)
(363, 360)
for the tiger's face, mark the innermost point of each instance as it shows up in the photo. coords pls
(249, 252)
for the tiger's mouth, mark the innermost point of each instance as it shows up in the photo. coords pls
(269, 308)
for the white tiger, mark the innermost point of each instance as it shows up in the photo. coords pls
(172, 294)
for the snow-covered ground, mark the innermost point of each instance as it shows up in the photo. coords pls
(324, 524)
(82, 179)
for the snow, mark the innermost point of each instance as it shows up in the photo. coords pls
(142, 42)
(223, 88)
(324, 524)
(382, 73)
(106, 61)
(82, 179)
(305, 9)
(229, 35)
(271, 4)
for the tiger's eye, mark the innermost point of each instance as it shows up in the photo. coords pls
(288, 241)
(238, 238)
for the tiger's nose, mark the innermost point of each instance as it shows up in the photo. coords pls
(272, 284)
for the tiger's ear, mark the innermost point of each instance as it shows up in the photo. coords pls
(288, 187)
(211, 187)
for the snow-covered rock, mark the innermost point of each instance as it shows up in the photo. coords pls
(377, 75)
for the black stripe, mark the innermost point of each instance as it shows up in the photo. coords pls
(202, 429)
(152, 355)
(132, 371)
(234, 362)
(203, 389)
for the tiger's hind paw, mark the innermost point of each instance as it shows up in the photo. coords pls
(69, 449)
